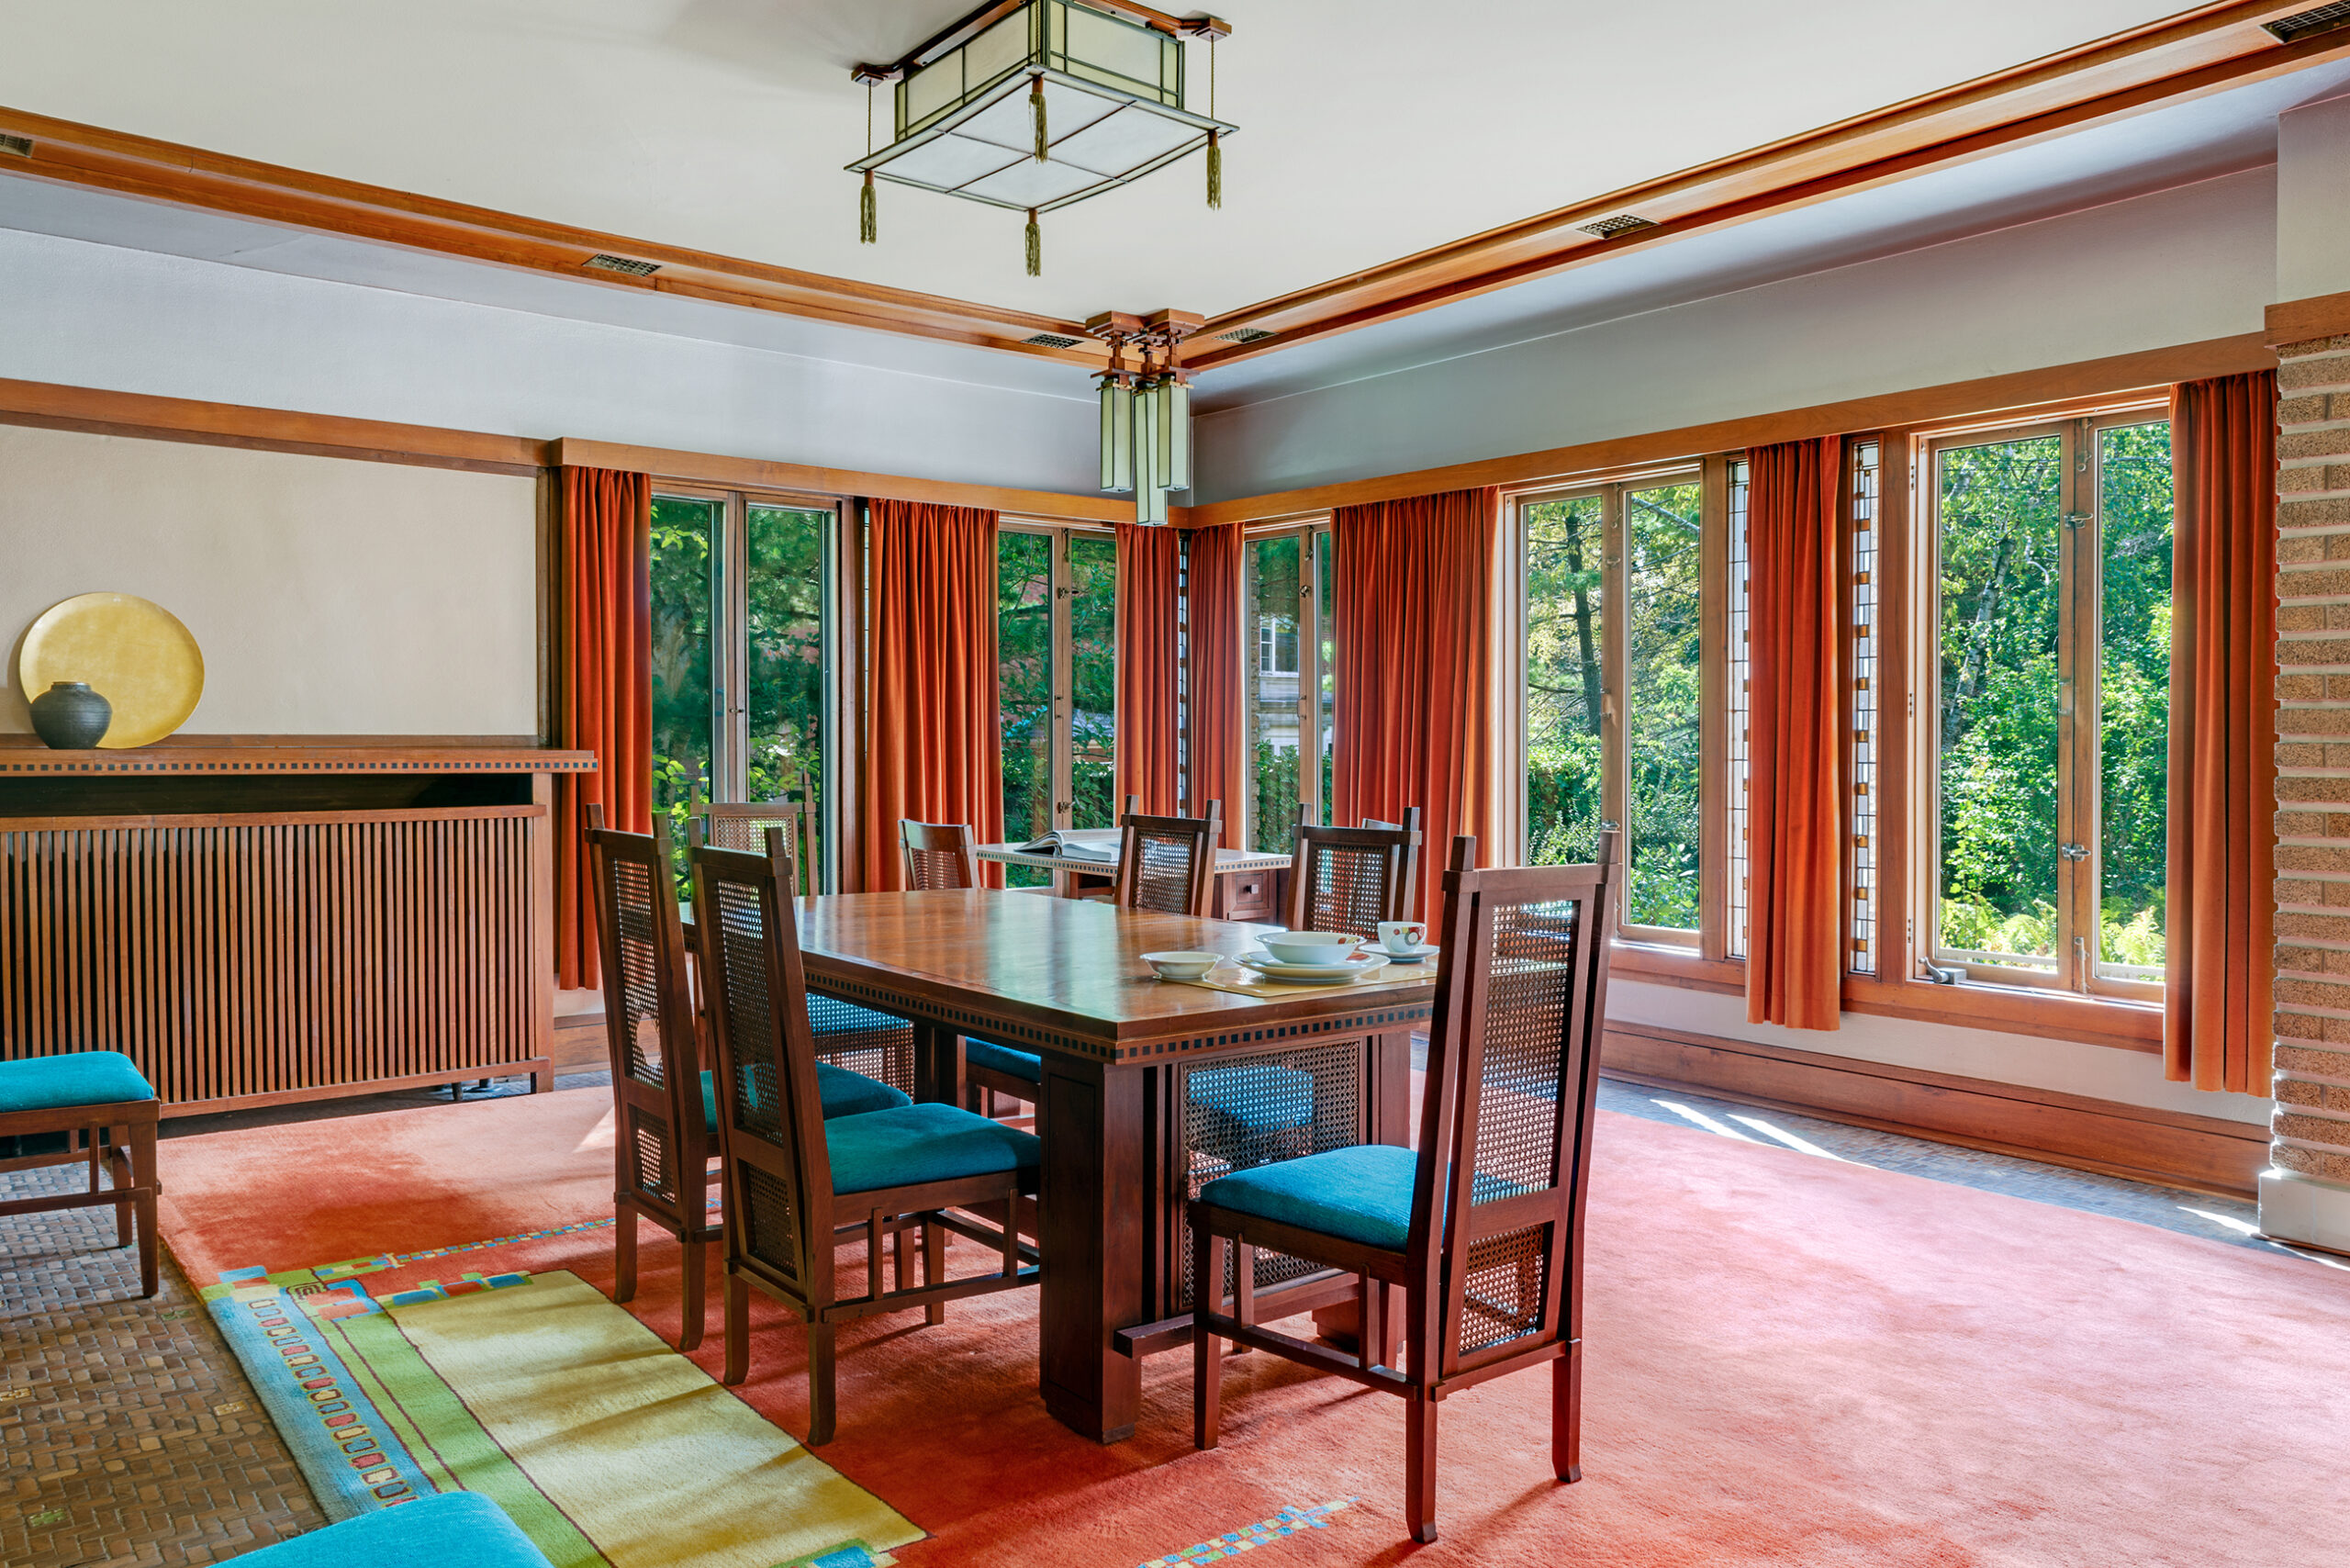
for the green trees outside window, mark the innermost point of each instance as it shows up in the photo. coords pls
(1290, 673)
(2052, 720)
(739, 644)
(1057, 682)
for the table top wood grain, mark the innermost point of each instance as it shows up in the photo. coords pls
(1061, 972)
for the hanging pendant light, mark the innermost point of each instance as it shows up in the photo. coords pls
(1146, 414)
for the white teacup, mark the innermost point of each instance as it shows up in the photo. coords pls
(1401, 936)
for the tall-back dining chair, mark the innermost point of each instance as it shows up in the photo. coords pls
(1350, 878)
(664, 1143)
(1482, 1228)
(791, 1174)
(742, 824)
(1167, 864)
(939, 854)
(879, 1044)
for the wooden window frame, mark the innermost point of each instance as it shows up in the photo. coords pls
(1061, 697)
(729, 713)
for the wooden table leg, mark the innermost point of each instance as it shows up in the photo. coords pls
(1092, 1212)
(939, 1063)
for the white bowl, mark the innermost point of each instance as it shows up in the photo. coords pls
(1182, 965)
(1310, 946)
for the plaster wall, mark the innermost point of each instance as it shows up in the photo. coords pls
(2176, 266)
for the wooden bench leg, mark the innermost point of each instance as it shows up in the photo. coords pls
(144, 1187)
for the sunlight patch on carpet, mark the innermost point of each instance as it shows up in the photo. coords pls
(607, 1448)
(1250, 1538)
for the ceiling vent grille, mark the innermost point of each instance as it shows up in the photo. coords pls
(16, 146)
(1050, 340)
(626, 266)
(1622, 223)
(2309, 24)
(1243, 335)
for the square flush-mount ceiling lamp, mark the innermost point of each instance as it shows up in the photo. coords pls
(1031, 105)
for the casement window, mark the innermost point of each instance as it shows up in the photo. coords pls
(1614, 686)
(1292, 694)
(745, 596)
(1057, 625)
(2046, 558)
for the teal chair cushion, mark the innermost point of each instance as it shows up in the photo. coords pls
(844, 1093)
(447, 1527)
(1363, 1194)
(79, 1078)
(928, 1142)
(1005, 1061)
(1261, 1096)
(829, 1015)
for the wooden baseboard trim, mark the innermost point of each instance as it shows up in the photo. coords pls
(2204, 1154)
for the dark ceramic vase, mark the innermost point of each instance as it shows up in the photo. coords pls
(72, 717)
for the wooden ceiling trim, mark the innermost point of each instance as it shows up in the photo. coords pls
(2021, 392)
(70, 153)
(757, 474)
(2305, 321)
(98, 411)
(2202, 52)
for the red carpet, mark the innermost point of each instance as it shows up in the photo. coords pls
(1791, 1360)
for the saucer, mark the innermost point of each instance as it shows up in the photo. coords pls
(1417, 956)
(1273, 969)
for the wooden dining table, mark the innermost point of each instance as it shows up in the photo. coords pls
(1148, 1088)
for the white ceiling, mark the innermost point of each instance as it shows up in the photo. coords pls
(1369, 129)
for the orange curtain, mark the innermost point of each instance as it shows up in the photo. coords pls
(604, 699)
(1219, 723)
(2217, 1007)
(1795, 798)
(1147, 571)
(1414, 580)
(933, 740)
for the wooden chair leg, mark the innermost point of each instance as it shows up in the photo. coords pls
(1369, 1344)
(119, 1167)
(696, 1264)
(933, 1267)
(820, 1384)
(738, 1330)
(624, 1250)
(1566, 1414)
(1420, 1467)
(905, 1264)
(145, 1185)
(1207, 1350)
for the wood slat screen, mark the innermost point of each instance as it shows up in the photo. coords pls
(273, 956)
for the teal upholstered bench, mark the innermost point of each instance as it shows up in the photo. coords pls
(102, 1098)
(447, 1530)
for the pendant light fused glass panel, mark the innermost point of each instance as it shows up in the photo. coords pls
(1117, 436)
(1113, 110)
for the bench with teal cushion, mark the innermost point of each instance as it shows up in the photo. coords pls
(844, 1093)
(1027, 1066)
(1361, 1194)
(929, 1142)
(102, 1097)
(446, 1530)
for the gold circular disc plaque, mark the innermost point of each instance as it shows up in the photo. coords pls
(131, 650)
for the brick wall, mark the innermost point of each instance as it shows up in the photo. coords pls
(2311, 1126)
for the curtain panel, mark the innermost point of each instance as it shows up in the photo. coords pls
(603, 667)
(933, 743)
(1794, 796)
(1415, 585)
(2220, 851)
(1220, 761)
(1149, 563)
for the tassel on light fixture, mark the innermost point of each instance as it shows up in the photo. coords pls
(957, 107)
(869, 219)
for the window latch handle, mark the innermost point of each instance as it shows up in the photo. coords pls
(2074, 851)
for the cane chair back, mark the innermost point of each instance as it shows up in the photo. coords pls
(1513, 1075)
(664, 1140)
(939, 854)
(1350, 878)
(743, 825)
(778, 1178)
(1167, 864)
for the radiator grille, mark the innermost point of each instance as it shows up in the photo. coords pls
(2310, 23)
(627, 267)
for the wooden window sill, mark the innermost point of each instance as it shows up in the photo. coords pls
(1682, 967)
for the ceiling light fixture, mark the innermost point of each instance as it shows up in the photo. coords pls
(1031, 105)
(1145, 412)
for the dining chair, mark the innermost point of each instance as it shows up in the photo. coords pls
(742, 824)
(880, 1045)
(939, 854)
(102, 1099)
(1482, 1228)
(664, 1100)
(1350, 878)
(791, 1175)
(1167, 864)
